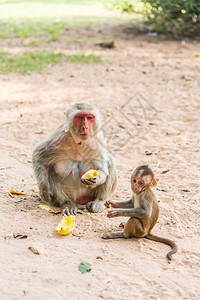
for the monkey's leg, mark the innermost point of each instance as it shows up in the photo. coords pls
(60, 197)
(134, 228)
(113, 235)
(105, 190)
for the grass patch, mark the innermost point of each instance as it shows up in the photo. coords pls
(50, 18)
(39, 62)
(24, 29)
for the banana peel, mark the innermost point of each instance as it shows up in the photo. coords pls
(47, 208)
(66, 225)
(11, 193)
(90, 174)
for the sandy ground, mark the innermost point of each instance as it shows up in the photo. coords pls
(152, 89)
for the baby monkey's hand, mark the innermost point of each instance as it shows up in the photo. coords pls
(113, 213)
(110, 203)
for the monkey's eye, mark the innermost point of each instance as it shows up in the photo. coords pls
(89, 117)
(79, 117)
(134, 180)
(140, 182)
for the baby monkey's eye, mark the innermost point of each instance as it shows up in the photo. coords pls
(140, 182)
(134, 180)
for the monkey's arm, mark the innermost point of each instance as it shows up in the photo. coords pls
(135, 212)
(119, 204)
(42, 160)
(41, 172)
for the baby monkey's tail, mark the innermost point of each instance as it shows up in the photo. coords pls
(164, 241)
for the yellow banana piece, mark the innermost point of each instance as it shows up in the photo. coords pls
(90, 174)
(66, 225)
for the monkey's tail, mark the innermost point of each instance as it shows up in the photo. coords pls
(164, 241)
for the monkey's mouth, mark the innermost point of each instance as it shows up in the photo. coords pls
(84, 136)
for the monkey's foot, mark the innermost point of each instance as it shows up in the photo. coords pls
(72, 209)
(95, 206)
(106, 236)
(113, 235)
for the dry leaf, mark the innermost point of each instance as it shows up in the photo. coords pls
(161, 189)
(17, 236)
(34, 249)
(148, 152)
(165, 171)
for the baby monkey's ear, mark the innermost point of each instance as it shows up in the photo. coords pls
(154, 182)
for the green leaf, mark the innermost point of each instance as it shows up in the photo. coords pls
(84, 267)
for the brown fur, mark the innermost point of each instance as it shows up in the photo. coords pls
(143, 210)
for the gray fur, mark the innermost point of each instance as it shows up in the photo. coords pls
(55, 158)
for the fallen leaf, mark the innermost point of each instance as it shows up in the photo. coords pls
(161, 189)
(77, 235)
(84, 267)
(121, 126)
(34, 249)
(17, 236)
(185, 190)
(9, 236)
(148, 152)
(47, 208)
(165, 171)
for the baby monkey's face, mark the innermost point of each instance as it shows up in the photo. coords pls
(140, 183)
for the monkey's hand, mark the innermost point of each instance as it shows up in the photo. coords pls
(113, 213)
(89, 182)
(72, 208)
(95, 206)
(110, 203)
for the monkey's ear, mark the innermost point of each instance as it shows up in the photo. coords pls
(154, 182)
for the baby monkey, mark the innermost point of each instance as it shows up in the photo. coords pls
(142, 209)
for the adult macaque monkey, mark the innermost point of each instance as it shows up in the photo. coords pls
(74, 148)
(142, 209)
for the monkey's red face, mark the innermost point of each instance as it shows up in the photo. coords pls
(139, 184)
(84, 122)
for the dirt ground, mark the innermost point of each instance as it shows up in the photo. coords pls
(152, 88)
